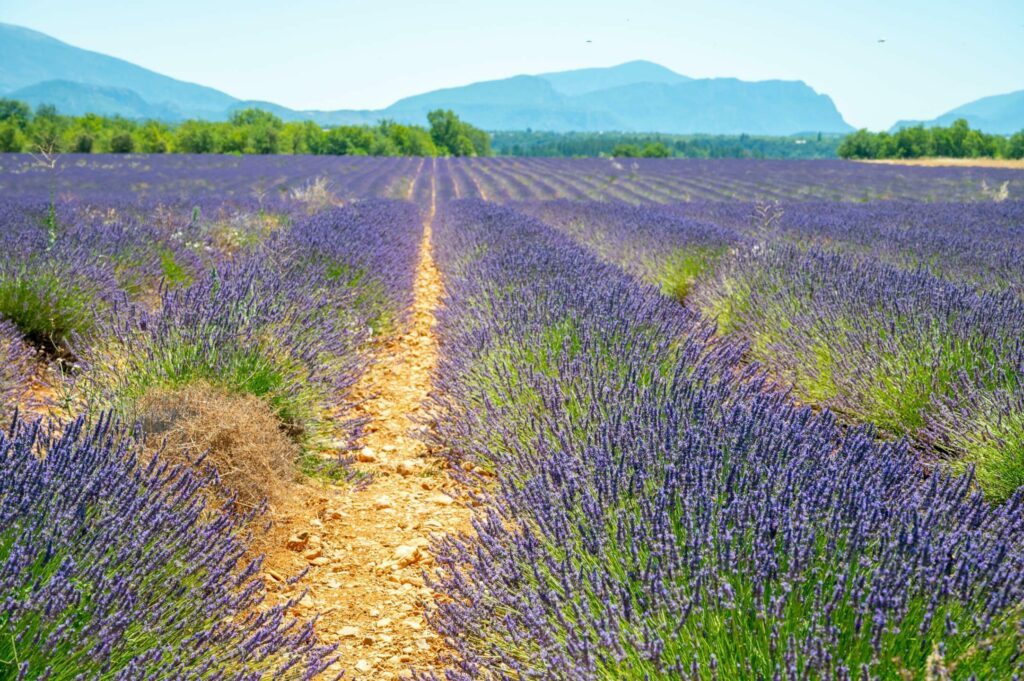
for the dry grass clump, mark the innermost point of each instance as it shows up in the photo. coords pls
(316, 195)
(240, 436)
(243, 231)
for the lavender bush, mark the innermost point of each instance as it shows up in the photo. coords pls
(111, 567)
(64, 270)
(370, 247)
(660, 511)
(51, 287)
(880, 344)
(654, 245)
(250, 328)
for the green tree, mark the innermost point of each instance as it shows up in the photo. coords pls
(913, 142)
(122, 143)
(1015, 147)
(11, 137)
(15, 112)
(154, 138)
(452, 136)
(83, 143)
(256, 117)
(480, 140)
(47, 130)
(232, 139)
(626, 151)
(656, 150)
(409, 140)
(950, 142)
(263, 139)
(195, 137)
(260, 129)
(350, 140)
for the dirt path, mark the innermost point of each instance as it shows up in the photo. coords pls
(367, 548)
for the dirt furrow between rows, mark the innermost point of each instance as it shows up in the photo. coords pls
(367, 548)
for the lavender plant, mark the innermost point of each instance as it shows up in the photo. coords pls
(111, 567)
(248, 328)
(370, 247)
(971, 243)
(51, 288)
(869, 340)
(60, 282)
(661, 511)
(653, 244)
(983, 421)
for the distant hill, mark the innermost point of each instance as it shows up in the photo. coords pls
(637, 96)
(77, 99)
(998, 114)
(672, 105)
(719, 106)
(29, 58)
(582, 81)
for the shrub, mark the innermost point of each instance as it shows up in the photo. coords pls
(874, 342)
(981, 422)
(659, 247)
(661, 511)
(370, 247)
(111, 568)
(66, 268)
(122, 143)
(248, 328)
(237, 435)
(52, 300)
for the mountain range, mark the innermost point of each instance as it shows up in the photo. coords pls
(999, 114)
(638, 96)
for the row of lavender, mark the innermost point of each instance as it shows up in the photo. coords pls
(267, 181)
(674, 180)
(116, 560)
(907, 316)
(272, 181)
(660, 511)
(979, 243)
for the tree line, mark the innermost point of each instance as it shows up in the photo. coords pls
(958, 140)
(255, 131)
(651, 145)
(247, 131)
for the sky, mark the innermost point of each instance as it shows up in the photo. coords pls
(879, 60)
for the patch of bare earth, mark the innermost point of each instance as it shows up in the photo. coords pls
(41, 397)
(367, 548)
(964, 162)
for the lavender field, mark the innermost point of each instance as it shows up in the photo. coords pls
(727, 419)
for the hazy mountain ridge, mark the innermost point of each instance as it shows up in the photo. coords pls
(999, 114)
(78, 99)
(582, 81)
(638, 96)
(29, 58)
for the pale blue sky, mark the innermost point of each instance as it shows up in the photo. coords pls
(367, 53)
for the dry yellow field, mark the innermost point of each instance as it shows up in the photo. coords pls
(936, 162)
